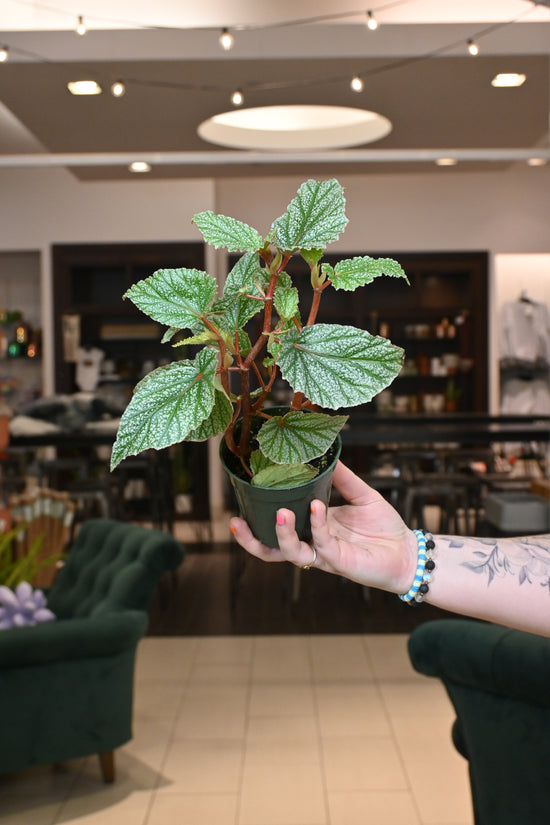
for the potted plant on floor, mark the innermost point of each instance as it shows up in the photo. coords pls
(226, 388)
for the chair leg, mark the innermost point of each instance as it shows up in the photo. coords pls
(107, 763)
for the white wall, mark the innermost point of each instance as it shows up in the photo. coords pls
(444, 209)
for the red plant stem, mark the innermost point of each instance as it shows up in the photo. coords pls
(224, 376)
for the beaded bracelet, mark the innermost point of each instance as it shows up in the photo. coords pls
(424, 570)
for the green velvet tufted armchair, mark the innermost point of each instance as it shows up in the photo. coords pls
(66, 687)
(499, 683)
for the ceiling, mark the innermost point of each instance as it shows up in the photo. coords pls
(415, 68)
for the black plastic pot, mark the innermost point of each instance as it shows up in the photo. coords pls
(259, 505)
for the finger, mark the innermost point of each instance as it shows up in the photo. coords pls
(251, 544)
(351, 487)
(293, 549)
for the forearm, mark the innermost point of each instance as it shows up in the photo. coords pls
(504, 580)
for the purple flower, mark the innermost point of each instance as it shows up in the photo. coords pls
(22, 606)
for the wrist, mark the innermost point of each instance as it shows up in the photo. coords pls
(409, 562)
(424, 569)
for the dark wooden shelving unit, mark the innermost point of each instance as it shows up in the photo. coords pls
(90, 281)
(443, 285)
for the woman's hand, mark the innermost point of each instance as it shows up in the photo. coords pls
(365, 540)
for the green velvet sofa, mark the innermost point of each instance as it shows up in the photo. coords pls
(499, 683)
(66, 686)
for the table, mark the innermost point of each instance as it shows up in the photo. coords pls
(464, 429)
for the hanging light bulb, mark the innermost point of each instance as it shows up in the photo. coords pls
(81, 26)
(4, 54)
(473, 48)
(118, 88)
(237, 98)
(226, 40)
(372, 23)
(357, 84)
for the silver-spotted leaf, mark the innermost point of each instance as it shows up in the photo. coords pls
(288, 476)
(314, 218)
(297, 436)
(286, 302)
(351, 273)
(166, 406)
(176, 297)
(223, 232)
(338, 366)
(218, 420)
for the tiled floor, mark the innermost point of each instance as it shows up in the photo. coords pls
(266, 730)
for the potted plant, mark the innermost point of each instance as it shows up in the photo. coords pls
(226, 388)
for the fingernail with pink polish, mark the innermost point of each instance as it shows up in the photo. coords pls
(280, 518)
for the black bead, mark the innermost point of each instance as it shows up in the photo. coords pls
(423, 588)
(430, 564)
(430, 544)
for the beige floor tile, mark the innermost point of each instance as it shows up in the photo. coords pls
(378, 807)
(339, 658)
(282, 700)
(193, 809)
(159, 699)
(212, 711)
(283, 795)
(203, 766)
(219, 673)
(389, 656)
(150, 741)
(224, 650)
(362, 763)
(36, 795)
(281, 659)
(275, 742)
(448, 799)
(165, 657)
(106, 807)
(404, 699)
(352, 710)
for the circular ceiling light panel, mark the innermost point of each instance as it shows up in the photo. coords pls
(294, 128)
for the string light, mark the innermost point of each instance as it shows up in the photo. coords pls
(118, 88)
(226, 40)
(473, 48)
(4, 54)
(81, 26)
(357, 84)
(372, 23)
(237, 98)
(139, 167)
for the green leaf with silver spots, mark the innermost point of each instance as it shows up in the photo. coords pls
(223, 232)
(314, 218)
(288, 476)
(218, 420)
(351, 273)
(176, 297)
(338, 366)
(286, 302)
(297, 436)
(166, 406)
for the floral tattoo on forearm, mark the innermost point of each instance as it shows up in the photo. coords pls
(527, 558)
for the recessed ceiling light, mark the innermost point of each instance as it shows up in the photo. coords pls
(446, 161)
(139, 166)
(84, 87)
(537, 162)
(508, 79)
(294, 128)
